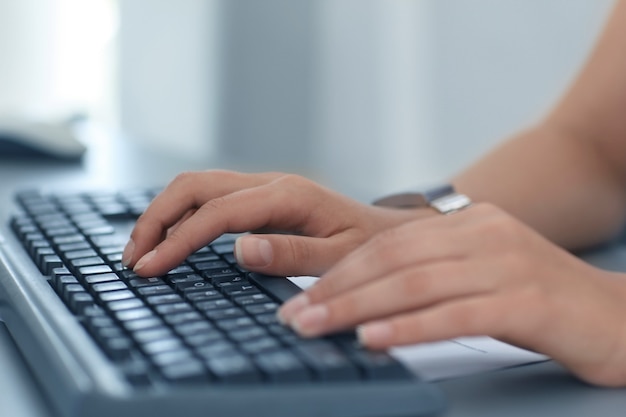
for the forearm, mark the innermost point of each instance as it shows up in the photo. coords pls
(559, 185)
(566, 177)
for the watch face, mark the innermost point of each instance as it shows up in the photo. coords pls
(403, 200)
(451, 203)
(444, 199)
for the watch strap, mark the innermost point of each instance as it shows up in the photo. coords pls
(444, 198)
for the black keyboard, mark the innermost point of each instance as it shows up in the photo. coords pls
(202, 339)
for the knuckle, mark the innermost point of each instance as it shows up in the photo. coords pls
(290, 178)
(417, 282)
(498, 224)
(384, 246)
(183, 178)
(299, 251)
(292, 182)
(469, 319)
(216, 203)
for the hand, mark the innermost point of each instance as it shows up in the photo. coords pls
(198, 207)
(476, 272)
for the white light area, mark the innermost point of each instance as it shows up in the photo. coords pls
(82, 68)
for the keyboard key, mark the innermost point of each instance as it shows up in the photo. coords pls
(82, 262)
(174, 319)
(95, 279)
(203, 257)
(163, 299)
(191, 371)
(153, 334)
(155, 290)
(233, 368)
(145, 282)
(115, 295)
(82, 253)
(162, 345)
(96, 269)
(49, 262)
(328, 362)
(80, 301)
(133, 314)
(247, 334)
(214, 304)
(282, 366)
(198, 295)
(215, 349)
(252, 299)
(143, 324)
(59, 282)
(205, 338)
(259, 345)
(109, 286)
(126, 304)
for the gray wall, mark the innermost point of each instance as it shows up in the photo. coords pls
(366, 96)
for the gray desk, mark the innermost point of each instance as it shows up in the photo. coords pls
(536, 390)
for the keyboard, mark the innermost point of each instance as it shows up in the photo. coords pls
(200, 340)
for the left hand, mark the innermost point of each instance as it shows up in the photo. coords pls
(476, 272)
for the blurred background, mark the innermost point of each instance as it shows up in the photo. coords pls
(366, 96)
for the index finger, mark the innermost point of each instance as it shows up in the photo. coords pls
(188, 191)
(273, 205)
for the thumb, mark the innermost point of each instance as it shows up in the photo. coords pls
(286, 255)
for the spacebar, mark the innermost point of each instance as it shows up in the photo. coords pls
(280, 287)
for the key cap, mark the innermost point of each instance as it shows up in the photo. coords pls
(49, 262)
(327, 361)
(109, 286)
(233, 367)
(190, 371)
(282, 366)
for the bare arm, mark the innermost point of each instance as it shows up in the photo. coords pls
(484, 272)
(566, 177)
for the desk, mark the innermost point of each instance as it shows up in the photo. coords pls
(536, 390)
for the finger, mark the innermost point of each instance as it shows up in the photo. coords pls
(181, 221)
(186, 192)
(270, 205)
(483, 315)
(289, 255)
(388, 252)
(406, 290)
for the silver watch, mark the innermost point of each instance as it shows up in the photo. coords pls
(444, 199)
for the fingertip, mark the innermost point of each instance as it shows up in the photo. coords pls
(292, 307)
(127, 255)
(144, 261)
(253, 252)
(376, 334)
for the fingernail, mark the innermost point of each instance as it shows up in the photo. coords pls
(311, 320)
(127, 256)
(145, 260)
(253, 252)
(292, 306)
(375, 334)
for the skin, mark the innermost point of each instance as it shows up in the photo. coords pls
(501, 268)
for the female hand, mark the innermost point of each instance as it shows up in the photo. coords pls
(476, 272)
(198, 207)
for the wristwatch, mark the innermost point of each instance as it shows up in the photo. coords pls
(443, 198)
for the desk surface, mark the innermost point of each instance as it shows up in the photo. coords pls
(538, 390)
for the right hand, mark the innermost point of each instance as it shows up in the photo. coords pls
(198, 207)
